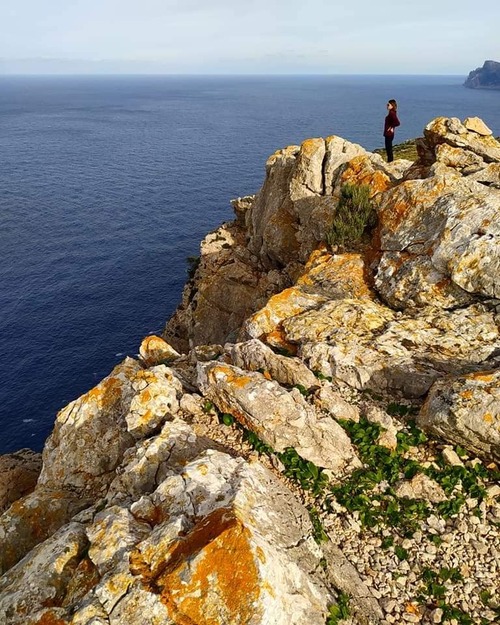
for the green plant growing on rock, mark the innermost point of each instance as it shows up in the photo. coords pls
(340, 610)
(353, 215)
(319, 534)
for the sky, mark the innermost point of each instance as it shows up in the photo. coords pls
(248, 36)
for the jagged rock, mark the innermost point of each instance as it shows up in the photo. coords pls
(420, 487)
(271, 550)
(43, 579)
(205, 509)
(465, 410)
(32, 519)
(255, 356)
(280, 418)
(338, 152)
(388, 437)
(151, 460)
(328, 400)
(155, 351)
(307, 173)
(336, 276)
(477, 125)
(90, 434)
(454, 133)
(451, 457)
(18, 475)
(267, 321)
(241, 206)
(441, 242)
(156, 398)
(367, 346)
(229, 285)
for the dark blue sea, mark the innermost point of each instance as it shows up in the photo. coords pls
(108, 184)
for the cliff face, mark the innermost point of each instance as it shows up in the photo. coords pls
(224, 476)
(485, 77)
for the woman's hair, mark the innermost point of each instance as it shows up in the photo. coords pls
(394, 104)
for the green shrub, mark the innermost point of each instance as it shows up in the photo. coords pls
(353, 215)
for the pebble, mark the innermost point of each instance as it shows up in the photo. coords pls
(437, 615)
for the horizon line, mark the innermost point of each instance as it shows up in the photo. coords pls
(223, 74)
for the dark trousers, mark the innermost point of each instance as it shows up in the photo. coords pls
(388, 149)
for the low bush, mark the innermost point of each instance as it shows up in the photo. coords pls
(353, 215)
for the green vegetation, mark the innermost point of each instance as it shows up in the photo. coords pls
(319, 533)
(353, 215)
(433, 592)
(340, 610)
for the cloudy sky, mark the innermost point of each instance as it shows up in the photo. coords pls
(248, 36)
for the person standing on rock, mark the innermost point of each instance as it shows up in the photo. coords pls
(391, 122)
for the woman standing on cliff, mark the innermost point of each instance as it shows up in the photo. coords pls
(391, 122)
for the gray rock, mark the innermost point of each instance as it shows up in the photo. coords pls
(465, 410)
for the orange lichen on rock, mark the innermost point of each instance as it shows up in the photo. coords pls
(345, 273)
(211, 576)
(105, 394)
(360, 171)
(49, 618)
(277, 339)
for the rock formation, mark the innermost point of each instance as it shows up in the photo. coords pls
(485, 77)
(248, 467)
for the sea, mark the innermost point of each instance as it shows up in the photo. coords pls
(108, 184)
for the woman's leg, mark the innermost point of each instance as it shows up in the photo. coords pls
(388, 149)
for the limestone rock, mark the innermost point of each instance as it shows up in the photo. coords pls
(42, 580)
(420, 487)
(328, 400)
(465, 410)
(18, 475)
(156, 398)
(280, 418)
(154, 351)
(367, 346)
(288, 303)
(388, 437)
(454, 133)
(307, 173)
(255, 356)
(32, 519)
(270, 548)
(477, 125)
(90, 434)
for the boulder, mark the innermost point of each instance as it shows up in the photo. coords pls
(90, 435)
(255, 356)
(368, 346)
(157, 393)
(155, 351)
(42, 581)
(280, 418)
(465, 410)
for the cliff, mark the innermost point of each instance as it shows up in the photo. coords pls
(260, 462)
(485, 77)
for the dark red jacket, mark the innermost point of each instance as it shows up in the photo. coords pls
(391, 121)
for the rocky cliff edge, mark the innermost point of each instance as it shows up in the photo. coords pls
(260, 462)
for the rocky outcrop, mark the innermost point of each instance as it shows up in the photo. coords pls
(18, 475)
(466, 411)
(173, 492)
(485, 77)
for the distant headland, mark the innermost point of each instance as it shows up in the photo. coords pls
(485, 77)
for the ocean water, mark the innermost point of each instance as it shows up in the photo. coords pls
(108, 184)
